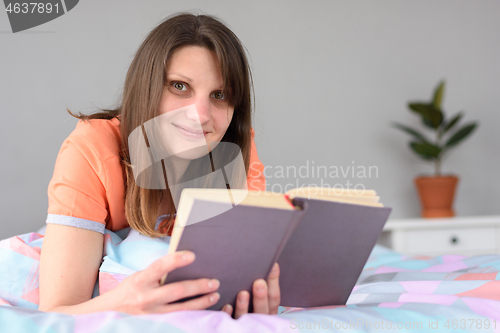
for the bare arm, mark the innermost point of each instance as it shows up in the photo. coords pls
(69, 265)
(68, 271)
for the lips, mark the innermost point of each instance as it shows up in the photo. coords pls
(190, 132)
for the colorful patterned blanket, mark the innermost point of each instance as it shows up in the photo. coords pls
(394, 293)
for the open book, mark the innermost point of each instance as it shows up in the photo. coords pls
(320, 237)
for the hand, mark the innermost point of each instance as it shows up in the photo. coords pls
(266, 296)
(142, 293)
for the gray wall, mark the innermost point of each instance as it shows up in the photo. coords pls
(330, 77)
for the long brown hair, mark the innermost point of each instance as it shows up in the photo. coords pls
(142, 94)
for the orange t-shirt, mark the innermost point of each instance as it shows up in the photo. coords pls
(87, 189)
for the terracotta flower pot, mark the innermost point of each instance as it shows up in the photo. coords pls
(436, 195)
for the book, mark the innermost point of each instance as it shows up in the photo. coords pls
(320, 237)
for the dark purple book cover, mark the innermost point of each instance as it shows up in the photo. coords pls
(326, 253)
(236, 247)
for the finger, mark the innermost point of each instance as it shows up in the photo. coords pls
(227, 309)
(178, 290)
(274, 292)
(200, 303)
(260, 297)
(166, 264)
(275, 272)
(242, 302)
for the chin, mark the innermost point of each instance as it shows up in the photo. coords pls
(193, 153)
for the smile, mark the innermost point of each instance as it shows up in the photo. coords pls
(191, 133)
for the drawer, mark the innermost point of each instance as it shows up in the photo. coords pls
(459, 240)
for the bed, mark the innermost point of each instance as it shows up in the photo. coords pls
(394, 293)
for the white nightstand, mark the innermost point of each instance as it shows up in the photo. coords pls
(456, 235)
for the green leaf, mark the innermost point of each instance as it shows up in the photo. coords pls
(410, 131)
(427, 151)
(453, 122)
(438, 95)
(431, 116)
(461, 134)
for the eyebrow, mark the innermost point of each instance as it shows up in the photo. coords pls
(182, 76)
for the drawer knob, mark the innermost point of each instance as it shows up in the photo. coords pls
(454, 240)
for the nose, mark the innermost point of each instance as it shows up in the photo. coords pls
(202, 113)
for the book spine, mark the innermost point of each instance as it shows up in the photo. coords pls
(296, 218)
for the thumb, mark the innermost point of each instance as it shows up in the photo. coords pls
(168, 263)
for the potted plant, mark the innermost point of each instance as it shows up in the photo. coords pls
(437, 191)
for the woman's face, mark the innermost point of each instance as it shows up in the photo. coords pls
(194, 109)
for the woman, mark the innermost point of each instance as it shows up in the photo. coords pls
(187, 62)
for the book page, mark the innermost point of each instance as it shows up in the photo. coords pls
(352, 196)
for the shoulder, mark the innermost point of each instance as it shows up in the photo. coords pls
(87, 183)
(97, 136)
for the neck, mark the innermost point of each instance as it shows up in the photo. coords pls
(175, 169)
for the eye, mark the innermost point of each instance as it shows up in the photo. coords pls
(218, 95)
(179, 86)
